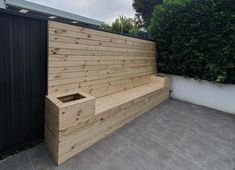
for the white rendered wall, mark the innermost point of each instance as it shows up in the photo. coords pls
(217, 96)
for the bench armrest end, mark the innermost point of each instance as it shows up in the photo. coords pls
(161, 79)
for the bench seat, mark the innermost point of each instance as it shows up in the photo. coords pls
(108, 102)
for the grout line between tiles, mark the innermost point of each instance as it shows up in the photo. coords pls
(205, 143)
(177, 148)
(30, 160)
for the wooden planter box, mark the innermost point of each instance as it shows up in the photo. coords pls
(64, 111)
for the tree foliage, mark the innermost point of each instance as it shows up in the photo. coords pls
(122, 24)
(196, 38)
(144, 10)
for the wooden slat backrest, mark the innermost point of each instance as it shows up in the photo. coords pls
(98, 62)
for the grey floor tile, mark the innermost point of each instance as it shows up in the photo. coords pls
(140, 123)
(179, 163)
(176, 134)
(233, 143)
(211, 116)
(233, 126)
(129, 132)
(147, 118)
(102, 149)
(174, 130)
(233, 160)
(208, 150)
(168, 168)
(191, 154)
(120, 161)
(15, 161)
(214, 116)
(103, 166)
(200, 158)
(162, 108)
(132, 158)
(27, 167)
(120, 164)
(138, 155)
(168, 138)
(90, 158)
(186, 116)
(157, 127)
(162, 138)
(186, 107)
(172, 120)
(212, 164)
(154, 149)
(118, 141)
(45, 163)
(172, 123)
(221, 145)
(219, 131)
(37, 152)
(70, 164)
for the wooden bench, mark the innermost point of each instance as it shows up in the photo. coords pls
(95, 86)
(117, 99)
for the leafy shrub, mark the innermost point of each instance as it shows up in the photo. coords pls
(196, 38)
(105, 26)
(123, 25)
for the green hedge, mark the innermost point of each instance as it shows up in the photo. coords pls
(196, 38)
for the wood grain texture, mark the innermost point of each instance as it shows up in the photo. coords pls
(97, 62)
(79, 126)
(117, 76)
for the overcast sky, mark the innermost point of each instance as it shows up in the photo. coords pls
(103, 10)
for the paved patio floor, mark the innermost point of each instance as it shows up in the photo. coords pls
(173, 136)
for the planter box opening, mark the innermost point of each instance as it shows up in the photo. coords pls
(70, 98)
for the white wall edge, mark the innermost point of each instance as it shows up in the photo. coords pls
(217, 96)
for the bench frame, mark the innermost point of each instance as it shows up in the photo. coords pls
(72, 127)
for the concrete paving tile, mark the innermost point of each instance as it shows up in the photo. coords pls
(14, 162)
(133, 158)
(200, 159)
(45, 163)
(156, 150)
(221, 131)
(37, 152)
(221, 145)
(208, 150)
(27, 167)
(179, 163)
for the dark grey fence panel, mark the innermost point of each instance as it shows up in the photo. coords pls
(23, 63)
